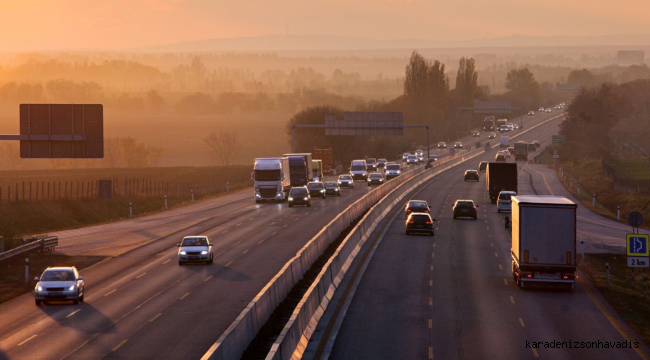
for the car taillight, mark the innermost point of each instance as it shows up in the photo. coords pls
(474, 207)
(429, 223)
(426, 211)
(408, 210)
(411, 222)
(529, 275)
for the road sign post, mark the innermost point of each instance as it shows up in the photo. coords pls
(638, 250)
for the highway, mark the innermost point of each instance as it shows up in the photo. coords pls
(141, 304)
(453, 296)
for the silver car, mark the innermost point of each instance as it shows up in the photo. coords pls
(59, 284)
(195, 249)
(412, 160)
(346, 180)
(405, 156)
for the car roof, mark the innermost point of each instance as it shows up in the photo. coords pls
(61, 268)
(508, 192)
(419, 201)
(195, 236)
(375, 175)
(468, 200)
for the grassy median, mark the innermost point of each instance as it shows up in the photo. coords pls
(12, 270)
(635, 310)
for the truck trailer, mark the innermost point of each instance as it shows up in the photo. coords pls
(272, 179)
(488, 123)
(543, 241)
(499, 177)
(521, 150)
(301, 168)
(317, 170)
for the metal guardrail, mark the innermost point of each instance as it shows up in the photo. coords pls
(45, 244)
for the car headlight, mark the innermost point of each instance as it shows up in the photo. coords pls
(340, 182)
(305, 199)
(39, 288)
(336, 189)
(258, 195)
(290, 199)
(183, 253)
(380, 180)
(279, 195)
(204, 252)
(399, 171)
(322, 190)
(72, 287)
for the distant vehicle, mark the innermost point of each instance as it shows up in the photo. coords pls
(316, 189)
(405, 157)
(381, 163)
(359, 170)
(59, 284)
(543, 257)
(505, 141)
(332, 188)
(442, 145)
(521, 151)
(557, 107)
(500, 157)
(476, 134)
(420, 155)
(500, 177)
(458, 145)
(532, 147)
(317, 170)
(541, 109)
(511, 149)
(492, 136)
(548, 110)
(511, 127)
(272, 179)
(419, 223)
(482, 166)
(371, 164)
(537, 144)
(515, 126)
(531, 113)
(503, 201)
(562, 104)
(326, 157)
(195, 249)
(465, 208)
(301, 168)
(346, 180)
(504, 128)
(412, 160)
(488, 123)
(471, 175)
(299, 196)
(416, 206)
(506, 153)
(499, 123)
(393, 171)
(375, 179)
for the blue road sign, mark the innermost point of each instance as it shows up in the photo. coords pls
(637, 245)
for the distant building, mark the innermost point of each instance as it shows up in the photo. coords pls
(630, 57)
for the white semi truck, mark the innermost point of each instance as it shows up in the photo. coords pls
(543, 241)
(272, 179)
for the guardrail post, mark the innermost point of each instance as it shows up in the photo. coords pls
(571, 183)
(593, 200)
(2, 244)
(26, 271)
(192, 192)
(130, 210)
(582, 249)
(578, 189)
(607, 272)
(165, 201)
(227, 187)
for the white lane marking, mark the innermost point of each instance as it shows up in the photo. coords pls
(29, 338)
(512, 299)
(141, 275)
(168, 260)
(155, 317)
(110, 292)
(184, 296)
(119, 345)
(72, 313)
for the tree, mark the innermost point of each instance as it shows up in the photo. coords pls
(523, 88)
(223, 146)
(154, 101)
(466, 81)
(197, 103)
(582, 77)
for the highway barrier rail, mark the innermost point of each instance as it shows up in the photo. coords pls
(234, 341)
(43, 245)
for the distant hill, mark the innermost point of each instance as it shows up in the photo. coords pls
(326, 42)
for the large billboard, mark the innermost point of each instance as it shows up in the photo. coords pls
(492, 107)
(366, 124)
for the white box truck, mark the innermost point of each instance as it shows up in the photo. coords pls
(543, 241)
(272, 179)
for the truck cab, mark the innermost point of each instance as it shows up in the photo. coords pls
(272, 179)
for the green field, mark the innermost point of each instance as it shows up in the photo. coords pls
(637, 168)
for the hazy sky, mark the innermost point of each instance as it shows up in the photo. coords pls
(119, 24)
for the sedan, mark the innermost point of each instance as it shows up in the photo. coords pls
(316, 189)
(500, 157)
(375, 179)
(412, 160)
(540, 109)
(492, 136)
(471, 175)
(506, 153)
(405, 157)
(332, 188)
(299, 196)
(458, 145)
(548, 110)
(537, 144)
(416, 206)
(531, 113)
(59, 284)
(419, 223)
(482, 166)
(381, 163)
(465, 208)
(195, 249)
(346, 180)
(442, 145)
(504, 203)
(476, 134)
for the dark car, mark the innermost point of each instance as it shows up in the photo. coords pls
(381, 163)
(511, 150)
(375, 179)
(471, 175)
(416, 206)
(419, 223)
(332, 188)
(537, 143)
(442, 145)
(492, 136)
(482, 166)
(476, 134)
(299, 196)
(532, 147)
(316, 189)
(371, 164)
(465, 208)
(500, 156)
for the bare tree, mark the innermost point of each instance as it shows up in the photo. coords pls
(223, 146)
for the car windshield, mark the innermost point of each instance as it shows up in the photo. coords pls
(370, 160)
(268, 175)
(375, 176)
(345, 177)
(464, 204)
(331, 184)
(422, 217)
(471, 171)
(382, 160)
(298, 192)
(358, 167)
(504, 196)
(58, 275)
(411, 157)
(393, 167)
(198, 241)
(420, 204)
(314, 186)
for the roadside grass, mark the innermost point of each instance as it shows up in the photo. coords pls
(12, 270)
(635, 310)
(636, 168)
(546, 158)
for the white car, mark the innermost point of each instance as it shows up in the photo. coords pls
(420, 155)
(405, 157)
(393, 170)
(59, 284)
(412, 160)
(541, 109)
(548, 110)
(515, 126)
(195, 249)
(503, 201)
(346, 180)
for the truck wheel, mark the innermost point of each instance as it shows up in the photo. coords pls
(290, 204)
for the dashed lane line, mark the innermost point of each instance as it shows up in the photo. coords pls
(512, 300)
(26, 340)
(184, 296)
(155, 317)
(521, 322)
(72, 313)
(119, 345)
(110, 292)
